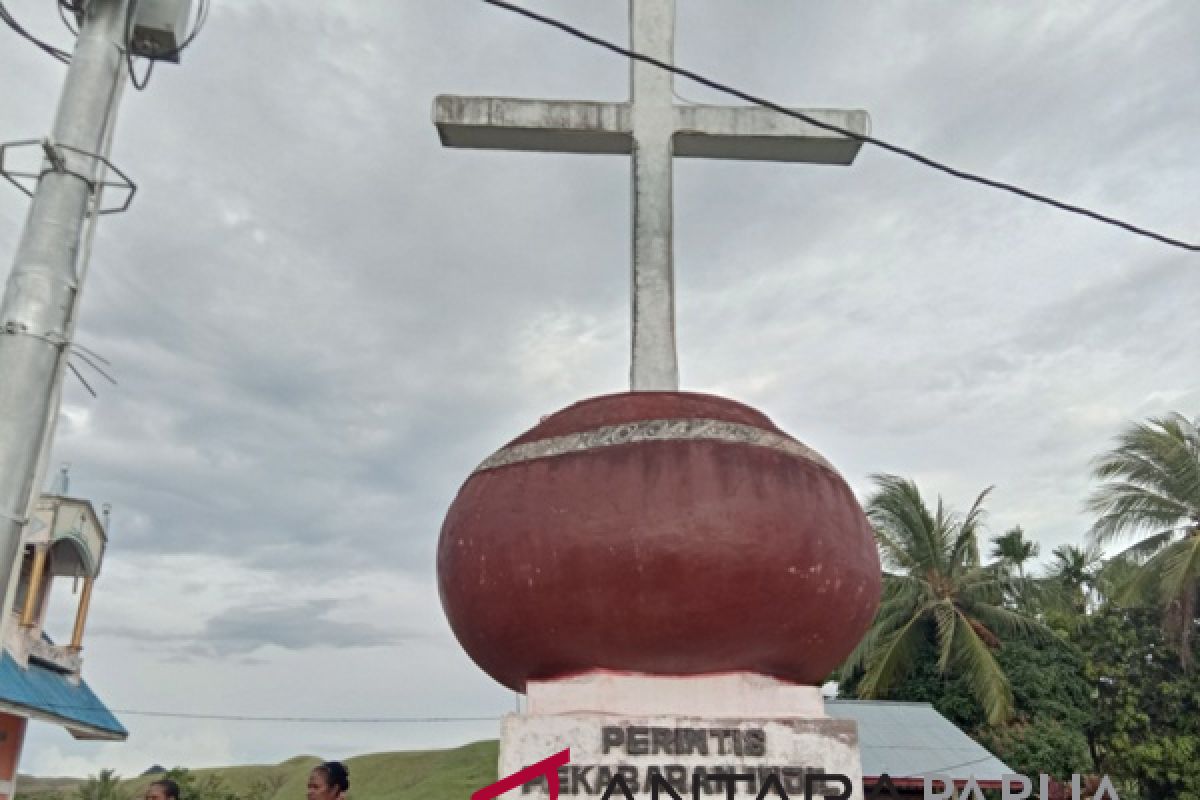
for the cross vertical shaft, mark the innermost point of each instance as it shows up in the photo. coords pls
(654, 365)
(654, 131)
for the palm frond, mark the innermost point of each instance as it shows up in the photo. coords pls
(913, 538)
(984, 581)
(1116, 574)
(966, 545)
(1012, 623)
(894, 553)
(1146, 586)
(903, 596)
(1139, 552)
(1181, 568)
(862, 652)
(982, 672)
(1128, 511)
(911, 590)
(1151, 479)
(940, 536)
(944, 615)
(897, 510)
(893, 657)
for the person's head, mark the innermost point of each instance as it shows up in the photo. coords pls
(162, 790)
(328, 781)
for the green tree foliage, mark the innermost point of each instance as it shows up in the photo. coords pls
(104, 786)
(1146, 726)
(1071, 586)
(1151, 488)
(1013, 550)
(1053, 709)
(207, 787)
(1075, 573)
(925, 683)
(937, 592)
(264, 788)
(1051, 704)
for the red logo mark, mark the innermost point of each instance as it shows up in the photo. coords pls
(547, 767)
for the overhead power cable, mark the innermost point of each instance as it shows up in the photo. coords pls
(321, 720)
(49, 49)
(865, 139)
(255, 718)
(64, 9)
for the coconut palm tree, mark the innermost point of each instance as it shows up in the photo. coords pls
(1075, 571)
(1151, 489)
(936, 591)
(1013, 550)
(1071, 585)
(1113, 579)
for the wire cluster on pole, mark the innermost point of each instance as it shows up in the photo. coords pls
(140, 84)
(865, 139)
(49, 49)
(67, 8)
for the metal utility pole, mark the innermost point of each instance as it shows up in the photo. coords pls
(38, 310)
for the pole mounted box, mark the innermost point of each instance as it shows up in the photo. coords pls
(160, 28)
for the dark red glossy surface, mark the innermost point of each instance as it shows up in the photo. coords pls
(667, 557)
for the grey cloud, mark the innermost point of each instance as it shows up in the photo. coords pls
(250, 628)
(1136, 311)
(244, 631)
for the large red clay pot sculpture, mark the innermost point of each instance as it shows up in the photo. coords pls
(657, 532)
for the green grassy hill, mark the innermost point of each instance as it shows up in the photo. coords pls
(422, 775)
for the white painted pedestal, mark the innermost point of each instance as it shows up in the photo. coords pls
(681, 728)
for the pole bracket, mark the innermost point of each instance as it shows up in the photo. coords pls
(56, 162)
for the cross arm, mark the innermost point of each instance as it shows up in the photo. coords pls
(557, 126)
(760, 134)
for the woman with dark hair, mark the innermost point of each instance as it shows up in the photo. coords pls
(164, 789)
(328, 781)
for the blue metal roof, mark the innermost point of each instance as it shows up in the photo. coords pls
(912, 739)
(49, 695)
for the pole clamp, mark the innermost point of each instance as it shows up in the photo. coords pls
(56, 161)
(14, 328)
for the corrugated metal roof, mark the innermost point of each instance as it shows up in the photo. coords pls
(49, 696)
(912, 739)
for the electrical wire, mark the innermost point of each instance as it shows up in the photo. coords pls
(49, 49)
(201, 20)
(865, 139)
(320, 720)
(144, 81)
(133, 79)
(255, 718)
(64, 6)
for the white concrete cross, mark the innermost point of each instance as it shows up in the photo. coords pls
(652, 129)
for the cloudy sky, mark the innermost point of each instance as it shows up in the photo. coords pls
(321, 321)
